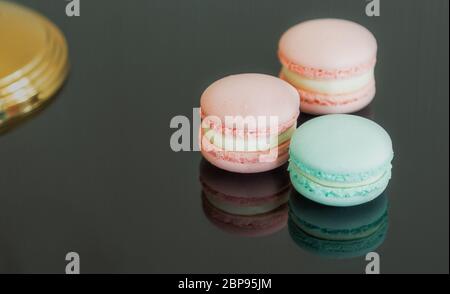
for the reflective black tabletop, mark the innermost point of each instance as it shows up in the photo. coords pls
(94, 172)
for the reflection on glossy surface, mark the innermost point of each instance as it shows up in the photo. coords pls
(16, 122)
(245, 204)
(339, 232)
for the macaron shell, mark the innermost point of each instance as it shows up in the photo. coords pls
(245, 167)
(341, 197)
(319, 104)
(251, 95)
(314, 103)
(328, 44)
(341, 144)
(243, 162)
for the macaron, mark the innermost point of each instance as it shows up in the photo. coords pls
(340, 160)
(338, 232)
(331, 63)
(247, 122)
(245, 204)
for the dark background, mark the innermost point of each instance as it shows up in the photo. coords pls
(94, 172)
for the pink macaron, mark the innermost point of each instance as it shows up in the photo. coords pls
(331, 63)
(247, 122)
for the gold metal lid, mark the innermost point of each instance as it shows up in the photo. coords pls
(33, 61)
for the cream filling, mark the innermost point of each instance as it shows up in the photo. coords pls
(249, 143)
(331, 184)
(248, 210)
(339, 86)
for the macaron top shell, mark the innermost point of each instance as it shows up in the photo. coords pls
(328, 44)
(251, 95)
(341, 144)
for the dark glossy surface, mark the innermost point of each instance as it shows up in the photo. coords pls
(94, 172)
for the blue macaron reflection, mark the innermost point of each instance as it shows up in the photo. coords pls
(338, 232)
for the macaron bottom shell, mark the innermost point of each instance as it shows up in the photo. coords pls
(244, 166)
(334, 196)
(318, 104)
(242, 161)
(354, 102)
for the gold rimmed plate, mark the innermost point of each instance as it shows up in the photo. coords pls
(57, 57)
(24, 41)
(34, 56)
(39, 70)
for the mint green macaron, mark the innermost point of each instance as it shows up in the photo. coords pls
(340, 160)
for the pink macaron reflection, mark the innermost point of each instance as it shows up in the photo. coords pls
(246, 205)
